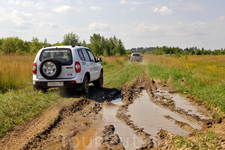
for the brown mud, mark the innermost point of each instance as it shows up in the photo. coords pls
(134, 117)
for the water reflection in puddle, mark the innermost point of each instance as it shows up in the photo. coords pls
(182, 102)
(92, 136)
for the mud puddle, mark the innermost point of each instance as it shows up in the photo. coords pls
(182, 102)
(147, 119)
(152, 118)
(91, 139)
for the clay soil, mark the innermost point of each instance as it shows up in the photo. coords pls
(62, 126)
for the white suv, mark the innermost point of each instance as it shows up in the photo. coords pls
(66, 66)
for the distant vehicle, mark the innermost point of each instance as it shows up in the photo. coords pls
(67, 67)
(136, 57)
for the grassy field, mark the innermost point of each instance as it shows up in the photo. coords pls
(199, 76)
(18, 102)
(203, 76)
(15, 71)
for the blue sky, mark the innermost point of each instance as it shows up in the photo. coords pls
(143, 23)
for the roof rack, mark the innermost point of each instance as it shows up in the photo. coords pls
(48, 46)
(73, 45)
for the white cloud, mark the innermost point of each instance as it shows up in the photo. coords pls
(65, 9)
(94, 8)
(57, 1)
(14, 2)
(123, 11)
(133, 8)
(23, 3)
(47, 24)
(80, 2)
(163, 11)
(220, 18)
(40, 5)
(21, 17)
(133, 3)
(198, 23)
(187, 6)
(143, 27)
(99, 27)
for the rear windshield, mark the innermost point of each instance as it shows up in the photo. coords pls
(136, 54)
(63, 55)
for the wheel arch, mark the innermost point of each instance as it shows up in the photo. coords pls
(88, 75)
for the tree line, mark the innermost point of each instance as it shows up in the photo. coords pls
(98, 44)
(187, 51)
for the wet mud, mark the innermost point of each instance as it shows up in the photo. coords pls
(138, 116)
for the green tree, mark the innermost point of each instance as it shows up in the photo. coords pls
(9, 45)
(198, 52)
(70, 38)
(95, 44)
(35, 45)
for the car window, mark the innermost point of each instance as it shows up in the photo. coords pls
(86, 57)
(91, 55)
(136, 54)
(63, 55)
(80, 54)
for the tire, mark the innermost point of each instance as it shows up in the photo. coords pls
(85, 89)
(99, 82)
(50, 68)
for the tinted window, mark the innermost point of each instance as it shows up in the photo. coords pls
(85, 55)
(80, 54)
(63, 55)
(136, 54)
(91, 55)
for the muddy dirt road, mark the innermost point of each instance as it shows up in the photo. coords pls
(129, 118)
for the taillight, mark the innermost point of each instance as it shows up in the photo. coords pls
(35, 68)
(77, 67)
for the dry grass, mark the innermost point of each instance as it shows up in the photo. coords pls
(114, 59)
(15, 71)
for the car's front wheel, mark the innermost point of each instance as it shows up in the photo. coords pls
(85, 85)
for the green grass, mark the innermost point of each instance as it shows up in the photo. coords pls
(200, 140)
(116, 75)
(17, 107)
(203, 92)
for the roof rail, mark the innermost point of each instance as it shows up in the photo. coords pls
(48, 46)
(73, 45)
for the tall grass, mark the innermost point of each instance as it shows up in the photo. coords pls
(203, 76)
(15, 71)
(18, 101)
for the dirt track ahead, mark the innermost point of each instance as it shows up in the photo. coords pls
(130, 118)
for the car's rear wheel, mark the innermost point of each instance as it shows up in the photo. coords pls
(99, 82)
(85, 85)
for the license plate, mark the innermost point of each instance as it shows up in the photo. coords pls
(55, 83)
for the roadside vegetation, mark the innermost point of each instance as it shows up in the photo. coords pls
(198, 76)
(179, 51)
(201, 77)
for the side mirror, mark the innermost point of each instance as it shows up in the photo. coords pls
(99, 59)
